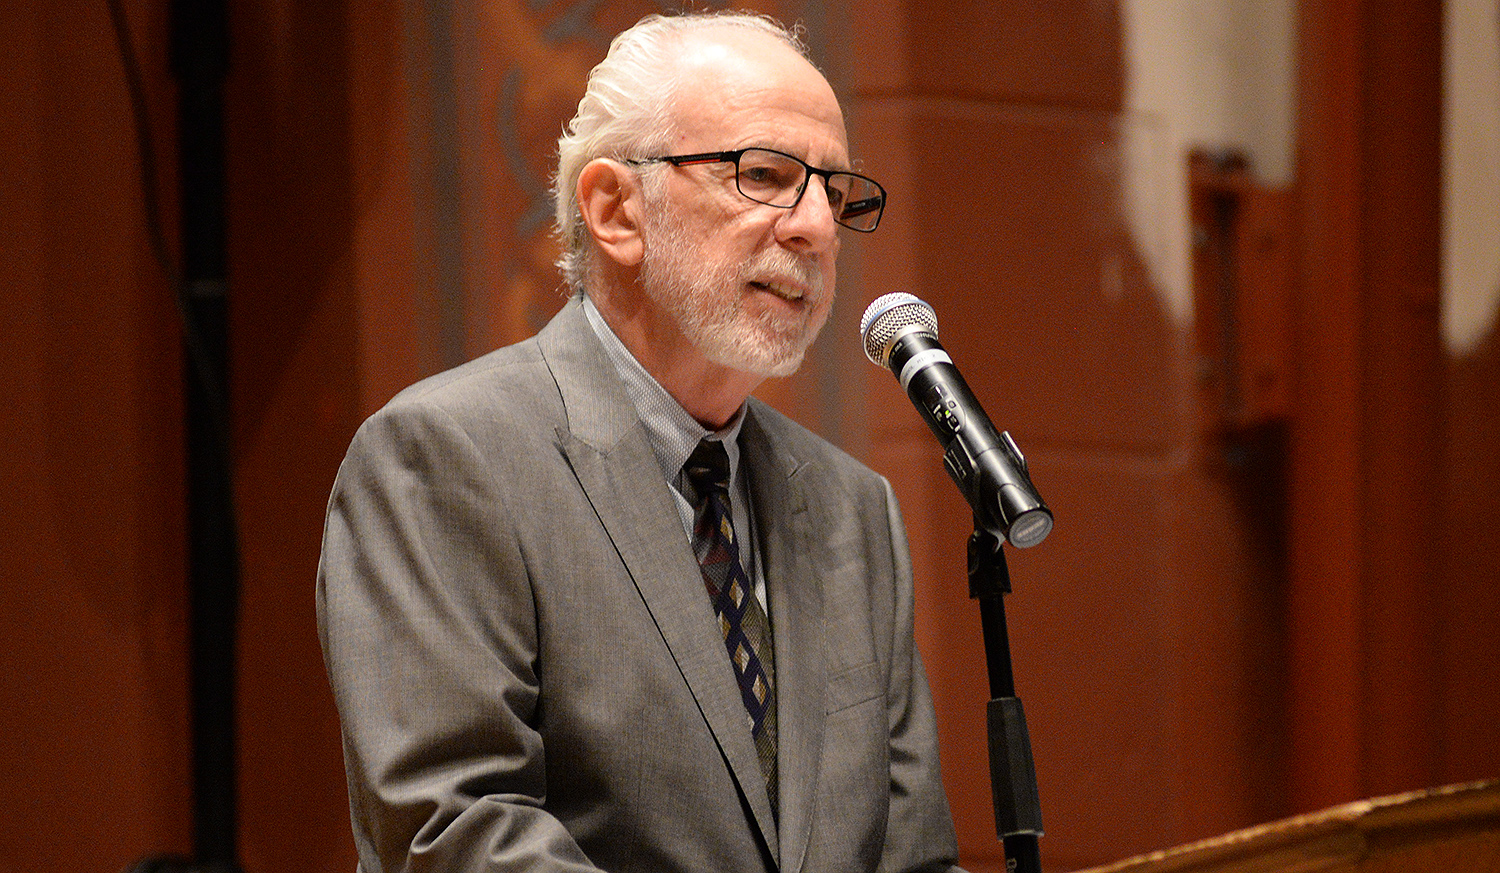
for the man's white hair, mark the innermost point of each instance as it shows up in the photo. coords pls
(626, 111)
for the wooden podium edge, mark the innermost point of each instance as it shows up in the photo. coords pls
(1338, 835)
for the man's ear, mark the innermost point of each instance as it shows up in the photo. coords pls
(610, 200)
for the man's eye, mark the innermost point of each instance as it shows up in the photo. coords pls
(766, 176)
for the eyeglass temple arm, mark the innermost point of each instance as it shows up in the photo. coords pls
(703, 158)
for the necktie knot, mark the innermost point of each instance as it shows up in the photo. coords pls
(707, 470)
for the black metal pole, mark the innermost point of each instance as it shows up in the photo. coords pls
(199, 41)
(200, 63)
(1018, 810)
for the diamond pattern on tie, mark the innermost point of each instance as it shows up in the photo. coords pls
(743, 622)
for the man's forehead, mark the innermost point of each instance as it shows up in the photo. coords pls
(754, 89)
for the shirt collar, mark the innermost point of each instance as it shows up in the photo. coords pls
(672, 432)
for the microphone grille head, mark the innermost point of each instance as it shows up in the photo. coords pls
(887, 316)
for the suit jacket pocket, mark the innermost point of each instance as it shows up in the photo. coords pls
(854, 686)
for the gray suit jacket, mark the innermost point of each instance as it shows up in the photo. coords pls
(527, 668)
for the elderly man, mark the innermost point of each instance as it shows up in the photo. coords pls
(587, 605)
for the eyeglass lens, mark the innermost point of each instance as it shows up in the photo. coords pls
(777, 179)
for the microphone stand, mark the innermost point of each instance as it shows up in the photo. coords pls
(1018, 810)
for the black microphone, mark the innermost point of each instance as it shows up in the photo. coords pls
(900, 333)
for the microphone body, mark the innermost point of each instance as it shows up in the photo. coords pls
(900, 333)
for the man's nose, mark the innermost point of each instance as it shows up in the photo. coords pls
(809, 226)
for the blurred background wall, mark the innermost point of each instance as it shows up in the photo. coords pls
(1271, 587)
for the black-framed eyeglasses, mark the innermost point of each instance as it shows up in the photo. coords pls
(779, 179)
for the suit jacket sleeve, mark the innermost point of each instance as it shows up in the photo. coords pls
(429, 633)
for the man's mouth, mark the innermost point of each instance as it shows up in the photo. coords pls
(790, 293)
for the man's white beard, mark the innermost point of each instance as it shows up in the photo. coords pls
(706, 301)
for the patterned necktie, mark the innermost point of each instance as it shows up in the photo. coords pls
(747, 632)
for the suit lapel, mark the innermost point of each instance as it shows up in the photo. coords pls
(777, 490)
(606, 446)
